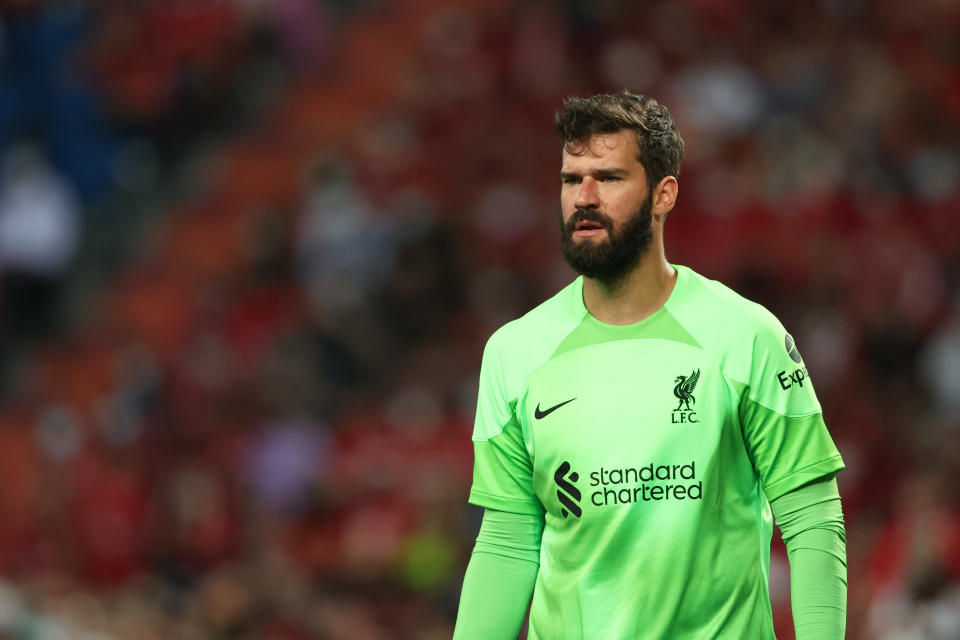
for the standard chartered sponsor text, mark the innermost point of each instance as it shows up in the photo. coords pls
(651, 482)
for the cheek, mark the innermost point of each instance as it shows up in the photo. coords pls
(624, 204)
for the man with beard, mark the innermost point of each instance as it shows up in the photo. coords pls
(634, 432)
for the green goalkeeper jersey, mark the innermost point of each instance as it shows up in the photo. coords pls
(651, 450)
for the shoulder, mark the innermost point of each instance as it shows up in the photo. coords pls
(721, 310)
(522, 345)
(542, 326)
(723, 321)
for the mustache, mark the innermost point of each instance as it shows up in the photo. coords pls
(588, 214)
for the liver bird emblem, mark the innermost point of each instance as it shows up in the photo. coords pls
(684, 390)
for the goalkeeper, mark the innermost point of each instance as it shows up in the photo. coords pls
(638, 433)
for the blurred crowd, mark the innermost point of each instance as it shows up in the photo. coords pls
(251, 250)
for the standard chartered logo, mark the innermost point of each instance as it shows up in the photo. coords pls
(567, 492)
(628, 485)
(651, 482)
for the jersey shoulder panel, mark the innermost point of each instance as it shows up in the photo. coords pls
(723, 321)
(756, 352)
(718, 313)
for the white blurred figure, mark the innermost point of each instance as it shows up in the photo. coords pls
(40, 226)
(343, 247)
(940, 366)
(720, 98)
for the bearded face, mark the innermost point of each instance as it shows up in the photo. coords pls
(617, 251)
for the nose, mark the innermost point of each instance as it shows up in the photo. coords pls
(587, 194)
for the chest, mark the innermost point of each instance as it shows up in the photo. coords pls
(625, 415)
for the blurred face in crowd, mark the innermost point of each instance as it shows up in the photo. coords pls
(605, 200)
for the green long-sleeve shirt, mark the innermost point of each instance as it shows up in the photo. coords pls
(503, 569)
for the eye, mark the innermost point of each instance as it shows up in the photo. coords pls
(609, 179)
(570, 179)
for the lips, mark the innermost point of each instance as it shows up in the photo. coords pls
(587, 225)
(587, 228)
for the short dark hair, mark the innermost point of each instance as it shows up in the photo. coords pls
(658, 139)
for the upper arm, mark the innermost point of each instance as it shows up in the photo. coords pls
(780, 416)
(503, 470)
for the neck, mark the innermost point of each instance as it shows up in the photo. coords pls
(634, 296)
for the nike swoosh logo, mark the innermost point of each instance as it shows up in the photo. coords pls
(543, 414)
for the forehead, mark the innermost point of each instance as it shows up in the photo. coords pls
(615, 149)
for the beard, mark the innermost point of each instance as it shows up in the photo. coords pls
(620, 252)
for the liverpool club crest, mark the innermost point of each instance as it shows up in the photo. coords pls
(683, 390)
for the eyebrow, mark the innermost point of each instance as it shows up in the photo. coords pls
(602, 172)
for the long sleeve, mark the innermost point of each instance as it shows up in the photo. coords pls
(500, 577)
(811, 521)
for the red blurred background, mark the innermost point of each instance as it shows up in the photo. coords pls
(250, 252)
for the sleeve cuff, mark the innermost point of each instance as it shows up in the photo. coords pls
(510, 505)
(804, 476)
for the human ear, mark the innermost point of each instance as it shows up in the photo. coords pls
(664, 197)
